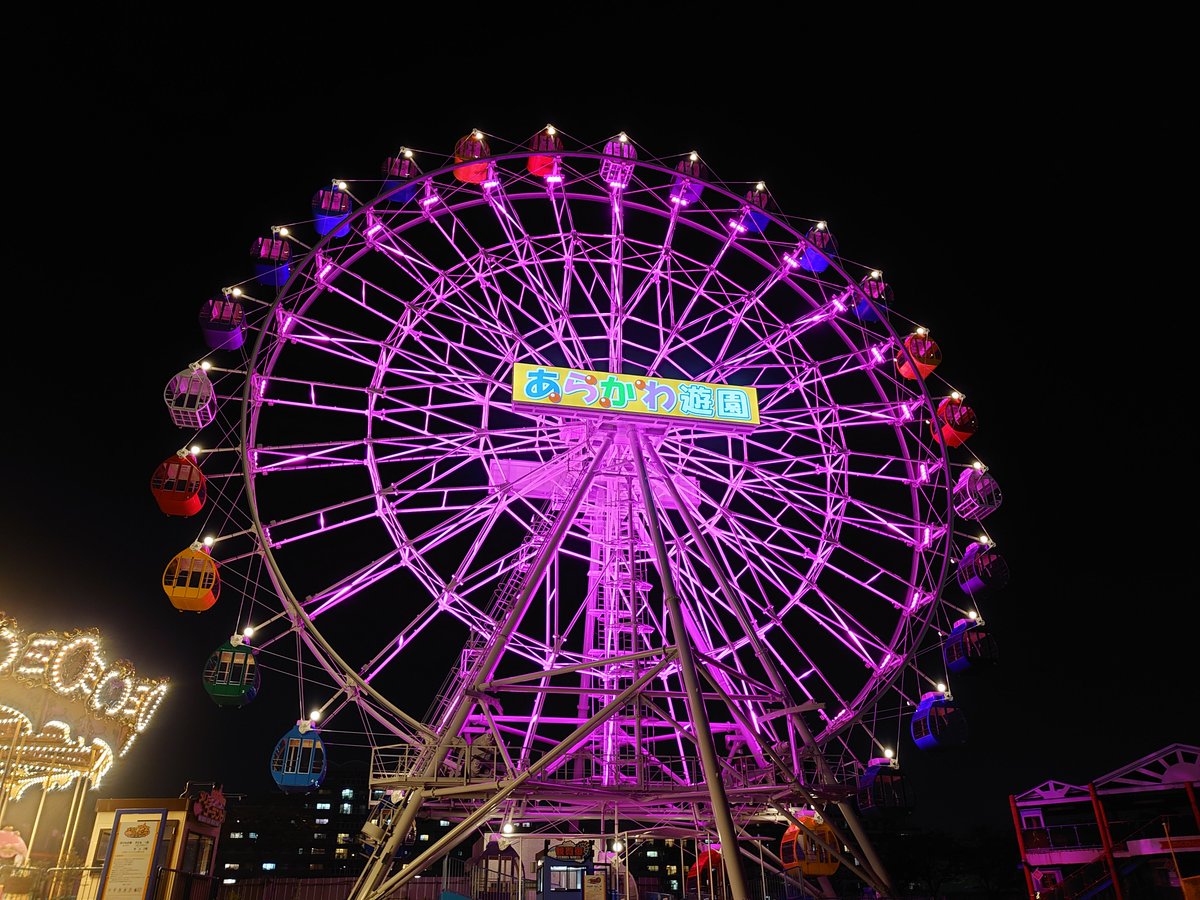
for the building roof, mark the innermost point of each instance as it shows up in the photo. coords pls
(1173, 765)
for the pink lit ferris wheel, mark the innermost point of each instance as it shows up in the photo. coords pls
(570, 482)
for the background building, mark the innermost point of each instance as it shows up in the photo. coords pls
(1132, 832)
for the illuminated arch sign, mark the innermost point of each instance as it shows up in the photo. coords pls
(667, 399)
(74, 667)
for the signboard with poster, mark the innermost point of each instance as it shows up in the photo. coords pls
(133, 847)
(594, 887)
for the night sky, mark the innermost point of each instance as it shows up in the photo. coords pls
(999, 206)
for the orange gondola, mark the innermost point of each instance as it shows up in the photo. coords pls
(191, 581)
(805, 849)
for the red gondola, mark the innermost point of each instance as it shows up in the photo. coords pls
(178, 485)
(922, 358)
(955, 421)
(471, 147)
(544, 143)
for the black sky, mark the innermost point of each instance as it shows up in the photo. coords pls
(1004, 201)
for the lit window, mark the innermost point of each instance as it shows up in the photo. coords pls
(346, 809)
(444, 823)
(267, 867)
(233, 865)
(324, 806)
(229, 881)
(236, 835)
(670, 842)
(343, 837)
(253, 835)
(319, 835)
(652, 853)
(377, 794)
(317, 851)
(672, 870)
(651, 868)
(347, 793)
(341, 853)
(322, 821)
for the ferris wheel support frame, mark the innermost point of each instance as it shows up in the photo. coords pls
(706, 551)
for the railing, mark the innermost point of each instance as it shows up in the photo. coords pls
(57, 883)
(1085, 836)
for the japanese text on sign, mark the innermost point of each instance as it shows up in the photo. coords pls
(608, 392)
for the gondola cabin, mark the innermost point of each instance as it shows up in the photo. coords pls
(938, 723)
(178, 486)
(955, 421)
(976, 494)
(223, 322)
(231, 676)
(272, 260)
(331, 208)
(298, 762)
(819, 244)
(807, 849)
(617, 169)
(969, 646)
(920, 356)
(190, 398)
(981, 570)
(191, 581)
(544, 144)
(467, 151)
(756, 217)
(398, 173)
(706, 876)
(685, 186)
(878, 292)
(374, 831)
(883, 790)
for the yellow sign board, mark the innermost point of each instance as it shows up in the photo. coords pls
(726, 405)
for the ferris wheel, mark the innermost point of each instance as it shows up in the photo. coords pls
(583, 481)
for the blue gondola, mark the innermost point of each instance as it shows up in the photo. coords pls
(686, 187)
(883, 790)
(331, 208)
(756, 218)
(231, 676)
(969, 646)
(223, 322)
(817, 238)
(981, 570)
(398, 174)
(879, 291)
(938, 723)
(271, 256)
(298, 763)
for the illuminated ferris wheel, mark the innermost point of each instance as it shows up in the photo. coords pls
(583, 481)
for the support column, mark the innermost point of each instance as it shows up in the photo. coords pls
(873, 862)
(1016, 817)
(687, 668)
(377, 866)
(1106, 841)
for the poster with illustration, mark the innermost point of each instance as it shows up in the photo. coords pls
(132, 850)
